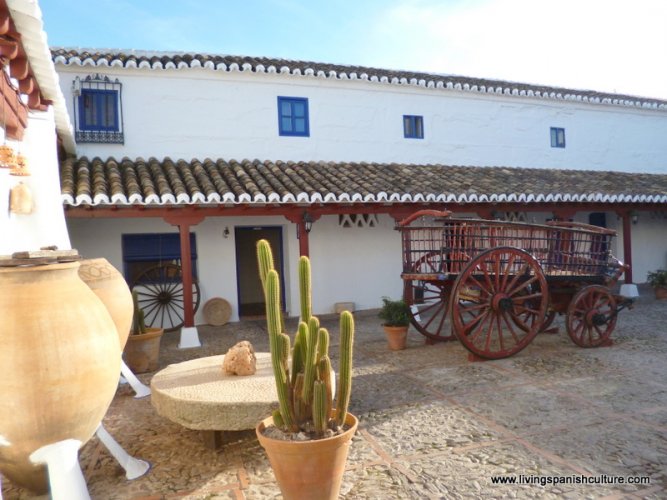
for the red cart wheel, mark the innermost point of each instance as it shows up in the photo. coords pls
(591, 316)
(499, 302)
(428, 299)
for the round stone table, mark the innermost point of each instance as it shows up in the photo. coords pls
(198, 395)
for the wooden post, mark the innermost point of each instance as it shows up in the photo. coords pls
(184, 221)
(627, 245)
(302, 234)
(186, 269)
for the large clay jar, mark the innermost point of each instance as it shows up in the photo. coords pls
(110, 286)
(60, 362)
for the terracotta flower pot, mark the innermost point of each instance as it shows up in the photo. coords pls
(308, 470)
(396, 337)
(110, 286)
(660, 292)
(142, 352)
(60, 363)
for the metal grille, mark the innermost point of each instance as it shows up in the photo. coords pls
(100, 136)
(561, 248)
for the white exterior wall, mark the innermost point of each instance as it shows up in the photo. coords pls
(199, 113)
(349, 264)
(45, 226)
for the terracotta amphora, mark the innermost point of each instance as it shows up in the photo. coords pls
(111, 288)
(60, 362)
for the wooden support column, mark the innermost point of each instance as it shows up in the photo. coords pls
(186, 269)
(627, 244)
(302, 234)
(299, 219)
(184, 222)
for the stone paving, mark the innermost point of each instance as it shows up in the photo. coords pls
(432, 424)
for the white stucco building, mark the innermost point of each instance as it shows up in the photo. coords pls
(229, 148)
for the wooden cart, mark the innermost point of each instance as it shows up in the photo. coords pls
(501, 282)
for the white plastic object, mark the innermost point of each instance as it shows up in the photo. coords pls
(65, 476)
(134, 467)
(140, 389)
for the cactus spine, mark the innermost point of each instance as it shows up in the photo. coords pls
(305, 392)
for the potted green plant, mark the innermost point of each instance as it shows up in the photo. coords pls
(396, 316)
(658, 280)
(308, 437)
(142, 351)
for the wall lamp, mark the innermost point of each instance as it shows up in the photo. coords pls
(307, 221)
(225, 232)
(634, 217)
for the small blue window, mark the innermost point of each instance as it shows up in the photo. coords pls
(293, 116)
(98, 110)
(557, 137)
(413, 127)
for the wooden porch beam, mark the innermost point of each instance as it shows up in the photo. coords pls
(184, 223)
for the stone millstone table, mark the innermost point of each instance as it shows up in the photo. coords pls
(198, 395)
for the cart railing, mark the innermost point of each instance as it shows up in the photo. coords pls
(442, 246)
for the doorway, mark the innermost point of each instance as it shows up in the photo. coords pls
(250, 294)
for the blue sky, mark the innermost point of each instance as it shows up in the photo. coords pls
(607, 45)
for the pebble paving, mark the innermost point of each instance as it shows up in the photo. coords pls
(432, 424)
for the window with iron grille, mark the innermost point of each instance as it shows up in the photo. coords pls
(98, 110)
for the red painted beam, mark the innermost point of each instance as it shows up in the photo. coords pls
(184, 222)
(627, 245)
(186, 270)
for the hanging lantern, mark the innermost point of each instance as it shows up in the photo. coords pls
(20, 167)
(7, 156)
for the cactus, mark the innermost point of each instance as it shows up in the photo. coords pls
(138, 319)
(305, 392)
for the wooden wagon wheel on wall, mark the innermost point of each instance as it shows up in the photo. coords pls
(591, 316)
(428, 298)
(160, 295)
(499, 302)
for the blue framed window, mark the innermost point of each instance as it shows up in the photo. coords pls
(144, 250)
(293, 116)
(557, 137)
(98, 110)
(413, 127)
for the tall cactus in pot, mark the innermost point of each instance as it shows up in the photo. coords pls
(304, 387)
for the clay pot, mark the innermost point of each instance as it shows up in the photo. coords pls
(20, 200)
(396, 337)
(660, 292)
(308, 470)
(60, 362)
(111, 288)
(142, 352)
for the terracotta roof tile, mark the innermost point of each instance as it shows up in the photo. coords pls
(163, 60)
(159, 182)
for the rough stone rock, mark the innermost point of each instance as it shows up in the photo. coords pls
(240, 359)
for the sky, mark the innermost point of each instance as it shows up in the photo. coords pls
(617, 46)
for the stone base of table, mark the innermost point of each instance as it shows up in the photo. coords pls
(198, 395)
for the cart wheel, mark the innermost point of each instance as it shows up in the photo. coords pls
(548, 319)
(428, 299)
(160, 295)
(499, 302)
(591, 316)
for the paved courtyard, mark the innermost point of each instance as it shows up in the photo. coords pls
(432, 424)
